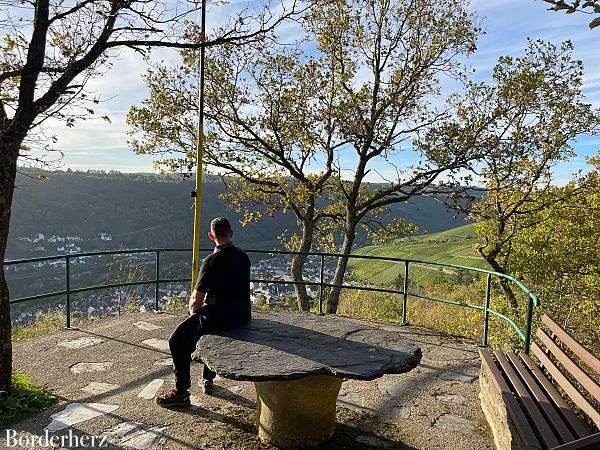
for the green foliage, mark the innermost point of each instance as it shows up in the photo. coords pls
(281, 118)
(390, 57)
(523, 124)
(454, 246)
(371, 305)
(133, 304)
(393, 230)
(558, 258)
(267, 110)
(260, 301)
(25, 400)
(456, 320)
(291, 304)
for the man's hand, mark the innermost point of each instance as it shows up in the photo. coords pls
(196, 301)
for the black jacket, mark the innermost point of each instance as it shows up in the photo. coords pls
(225, 278)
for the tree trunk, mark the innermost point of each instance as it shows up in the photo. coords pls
(308, 227)
(8, 171)
(340, 270)
(509, 294)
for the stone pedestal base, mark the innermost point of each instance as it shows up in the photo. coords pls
(297, 413)
(505, 434)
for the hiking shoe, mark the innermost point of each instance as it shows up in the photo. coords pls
(207, 387)
(173, 399)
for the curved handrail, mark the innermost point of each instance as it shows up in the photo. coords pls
(510, 278)
(525, 336)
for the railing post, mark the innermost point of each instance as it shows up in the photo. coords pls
(527, 342)
(68, 289)
(405, 293)
(156, 282)
(321, 286)
(486, 309)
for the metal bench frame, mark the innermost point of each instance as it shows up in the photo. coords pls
(521, 399)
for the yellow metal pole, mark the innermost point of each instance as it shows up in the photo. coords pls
(199, 159)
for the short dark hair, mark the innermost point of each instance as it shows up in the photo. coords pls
(220, 227)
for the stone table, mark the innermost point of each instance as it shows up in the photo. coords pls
(297, 362)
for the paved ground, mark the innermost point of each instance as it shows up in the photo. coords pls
(109, 372)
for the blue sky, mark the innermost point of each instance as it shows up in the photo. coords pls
(96, 144)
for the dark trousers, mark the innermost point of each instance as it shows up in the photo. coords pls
(185, 337)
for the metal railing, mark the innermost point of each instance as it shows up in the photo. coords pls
(486, 308)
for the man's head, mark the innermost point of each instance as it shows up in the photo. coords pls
(220, 230)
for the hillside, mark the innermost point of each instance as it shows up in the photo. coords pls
(101, 211)
(453, 246)
(107, 211)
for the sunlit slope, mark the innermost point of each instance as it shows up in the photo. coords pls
(453, 246)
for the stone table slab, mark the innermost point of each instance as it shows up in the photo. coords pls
(277, 347)
(297, 363)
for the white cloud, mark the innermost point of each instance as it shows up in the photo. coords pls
(508, 24)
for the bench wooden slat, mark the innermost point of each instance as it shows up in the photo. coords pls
(529, 404)
(551, 411)
(567, 413)
(566, 385)
(501, 383)
(586, 356)
(581, 377)
(591, 442)
(519, 419)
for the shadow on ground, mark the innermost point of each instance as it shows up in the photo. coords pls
(395, 411)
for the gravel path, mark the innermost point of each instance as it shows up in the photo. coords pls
(107, 374)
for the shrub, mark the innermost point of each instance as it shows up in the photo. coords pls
(45, 323)
(174, 303)
(446, 318)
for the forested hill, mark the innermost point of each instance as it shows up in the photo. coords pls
(109, 210)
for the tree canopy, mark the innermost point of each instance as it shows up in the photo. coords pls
(589, 7)
(321, 115)
(49, 52)
(524, 122)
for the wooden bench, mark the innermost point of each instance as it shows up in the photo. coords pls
(522, 402)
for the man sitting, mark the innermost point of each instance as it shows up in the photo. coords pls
(220, 300)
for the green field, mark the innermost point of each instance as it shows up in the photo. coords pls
(454, 246)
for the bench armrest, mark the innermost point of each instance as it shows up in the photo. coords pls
(589, 442)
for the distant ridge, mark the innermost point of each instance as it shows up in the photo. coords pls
(147, 210)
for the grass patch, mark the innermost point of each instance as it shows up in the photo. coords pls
(371, 306)
(454, 246)
(48, 323)
(54, 321)
(26, 400)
